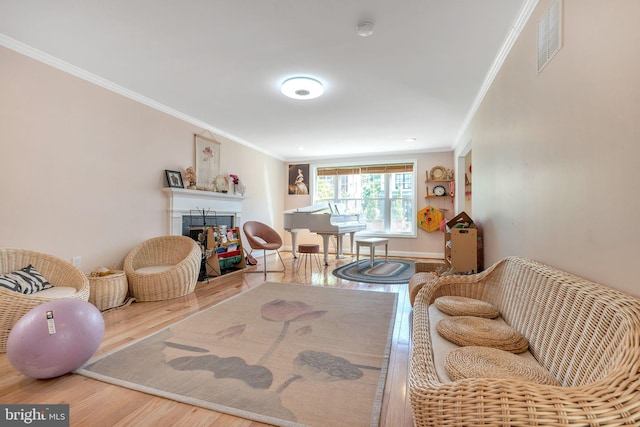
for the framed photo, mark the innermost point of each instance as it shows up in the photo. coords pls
(174, 178)
(207, 160)
(299, 179)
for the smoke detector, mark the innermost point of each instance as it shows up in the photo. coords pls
(365, 29)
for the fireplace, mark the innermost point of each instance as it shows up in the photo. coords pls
(197, 221)
(192, 211)
(186, 208)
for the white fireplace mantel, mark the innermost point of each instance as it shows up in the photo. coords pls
(182, 202)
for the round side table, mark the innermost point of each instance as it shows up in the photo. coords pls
(108, 291)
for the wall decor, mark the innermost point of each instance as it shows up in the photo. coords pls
(174, 178)
(190, 177)
(299, 179)
(207, 160)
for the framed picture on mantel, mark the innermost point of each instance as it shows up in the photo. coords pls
(207, 160)
(174, 179)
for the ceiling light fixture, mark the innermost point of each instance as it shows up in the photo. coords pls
(302, 88)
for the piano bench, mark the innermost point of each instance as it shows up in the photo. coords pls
(371, 243)
(307, 251)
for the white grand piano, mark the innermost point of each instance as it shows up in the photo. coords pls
(324, 219)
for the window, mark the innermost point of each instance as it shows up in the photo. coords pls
(382, 194)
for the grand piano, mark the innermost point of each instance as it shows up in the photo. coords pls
(324, 219)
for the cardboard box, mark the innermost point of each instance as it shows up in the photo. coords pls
(464, 250)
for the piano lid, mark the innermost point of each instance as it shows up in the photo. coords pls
(311, 209)
(332, 208)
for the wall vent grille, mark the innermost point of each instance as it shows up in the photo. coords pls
(549, 34)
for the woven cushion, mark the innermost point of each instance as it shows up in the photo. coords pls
(26, 281)
(463, 306)
(152, 269)
(469, 330)
(484, 362)
(58, 292)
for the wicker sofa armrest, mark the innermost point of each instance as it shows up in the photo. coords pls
(493, 402)
(471, 286)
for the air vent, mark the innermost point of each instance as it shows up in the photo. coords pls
(549, 34)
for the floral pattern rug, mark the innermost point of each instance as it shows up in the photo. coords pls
(283, 354)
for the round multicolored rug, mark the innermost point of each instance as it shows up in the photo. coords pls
(392, 272)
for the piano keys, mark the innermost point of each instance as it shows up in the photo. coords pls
(326, 220)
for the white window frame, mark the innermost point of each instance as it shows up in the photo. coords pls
(414, 228)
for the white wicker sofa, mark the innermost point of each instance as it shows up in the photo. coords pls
(585, 334)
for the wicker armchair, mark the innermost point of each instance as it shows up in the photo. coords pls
(14, 305)
(163, 268)
(585, 334)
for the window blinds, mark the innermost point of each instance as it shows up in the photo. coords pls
(365, 169)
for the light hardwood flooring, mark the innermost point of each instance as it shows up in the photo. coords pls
(94, 403)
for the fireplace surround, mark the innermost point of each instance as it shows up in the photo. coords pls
(219, 209)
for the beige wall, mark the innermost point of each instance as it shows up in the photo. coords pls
(555, 155)
(83, 167)
(424, 244)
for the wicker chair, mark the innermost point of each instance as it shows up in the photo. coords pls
(163, 268)
(14, 305)
(585, 334)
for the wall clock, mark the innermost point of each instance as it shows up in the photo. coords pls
(439, 190)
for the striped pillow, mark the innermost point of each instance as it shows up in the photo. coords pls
(26, 281)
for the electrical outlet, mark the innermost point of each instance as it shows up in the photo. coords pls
(76, 261)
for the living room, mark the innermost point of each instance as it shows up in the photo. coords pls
(553, 157)
(551, 151)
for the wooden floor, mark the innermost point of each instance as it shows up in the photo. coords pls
(94, 403)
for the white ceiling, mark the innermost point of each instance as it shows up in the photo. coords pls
(220, 63)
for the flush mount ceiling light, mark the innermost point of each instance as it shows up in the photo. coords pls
(302, 88)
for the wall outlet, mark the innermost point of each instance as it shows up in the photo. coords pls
(76, 261)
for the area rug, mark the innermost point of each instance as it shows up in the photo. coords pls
(283, 354)
(392, 272)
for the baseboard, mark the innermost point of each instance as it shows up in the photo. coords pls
(405, 254)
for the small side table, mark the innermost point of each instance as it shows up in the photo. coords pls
(108, 291)
(371, 243)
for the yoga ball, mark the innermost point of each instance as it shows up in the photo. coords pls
(55, 338)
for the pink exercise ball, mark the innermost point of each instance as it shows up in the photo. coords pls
(55, 338)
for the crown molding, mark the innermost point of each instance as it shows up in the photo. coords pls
(516, 28)
(83, 74)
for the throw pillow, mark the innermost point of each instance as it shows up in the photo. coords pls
(463, 306)
(478, 331)
(484, 362)
(26, 281)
